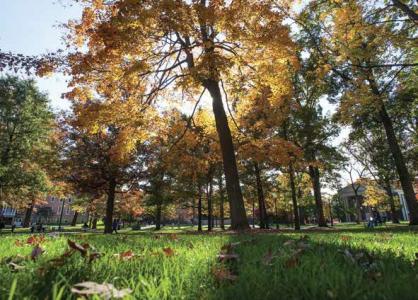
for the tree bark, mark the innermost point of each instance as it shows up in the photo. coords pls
(74, 221)
(199, 209)
(261, 200)
(94, 223)
(238, 215)
(388, 188)
(405, 8)
(401, 168)
(28, 214)
(294, 199)
(110, 204)
(221, 203)
(158, 213)
(316, 185)
(193, 210)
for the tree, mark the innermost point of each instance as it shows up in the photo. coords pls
(367, 49)
(148, 46)
(310, 129)
(355, 183)
(365, 146)
(375, 196)
(99, 146)
(26, 131)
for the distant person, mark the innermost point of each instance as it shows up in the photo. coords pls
(13, 226)
(32, 228)
(85, 227)
(115, 226)
(2, 225)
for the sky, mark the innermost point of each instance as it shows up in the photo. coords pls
(32, 27)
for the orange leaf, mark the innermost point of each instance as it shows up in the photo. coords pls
(78, 247)
(31, 240)
(168, 251)
(127, 255)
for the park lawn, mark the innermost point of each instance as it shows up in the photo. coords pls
(345, 263)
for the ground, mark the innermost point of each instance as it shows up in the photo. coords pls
(346, 262)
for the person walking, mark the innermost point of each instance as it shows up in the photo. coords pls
(115, 226)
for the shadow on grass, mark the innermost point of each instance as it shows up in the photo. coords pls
(270, 269)
(328, 267)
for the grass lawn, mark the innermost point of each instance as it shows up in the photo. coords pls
(348, 262)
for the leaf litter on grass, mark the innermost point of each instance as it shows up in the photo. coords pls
(104, 290)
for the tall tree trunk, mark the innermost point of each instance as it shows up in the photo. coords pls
(94, 223)
(391, 203)
(28, 214)
(221, 203)
(302, 215)
(316, 185)
(199, 209)
(238, 215)
(74, 221)
(158, 214)
(253, 212)
(110, 204)
(261, 200)
(401, 168)
(276, 210)
(210, 208)
(294, 200)
(301, 210)
(193, 210)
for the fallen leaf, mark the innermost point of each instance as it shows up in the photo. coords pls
(105, 290)
(345, 238)
(93, 256)
(223, 274)
(81, 248)
(15, 267)
(33, 240)
(168, 251)
(127, 255)
(228, 257)
(37, 251)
